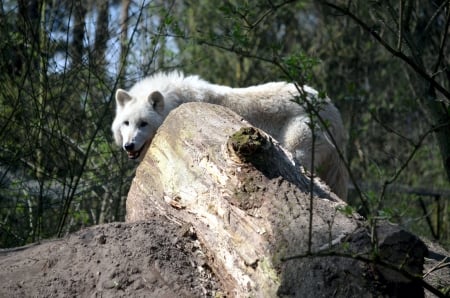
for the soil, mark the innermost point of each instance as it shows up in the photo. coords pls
(156, 258)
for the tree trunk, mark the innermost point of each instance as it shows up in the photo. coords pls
(77, 46)
(124, 40)
(101, 35)
(248, 204)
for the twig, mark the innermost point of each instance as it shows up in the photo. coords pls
(400, 26)
(417, 68)
(438, 266)
(444, 38)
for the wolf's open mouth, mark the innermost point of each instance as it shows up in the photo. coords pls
(136, 153)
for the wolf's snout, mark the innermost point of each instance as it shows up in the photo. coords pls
(129, 146)
(132, 152)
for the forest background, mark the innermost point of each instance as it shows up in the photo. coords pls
(385, 64)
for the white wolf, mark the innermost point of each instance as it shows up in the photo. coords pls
(270, 107)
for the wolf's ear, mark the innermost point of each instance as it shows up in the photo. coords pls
(122, 97)
(156, 99)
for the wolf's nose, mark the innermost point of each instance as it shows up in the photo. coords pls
(129, 146)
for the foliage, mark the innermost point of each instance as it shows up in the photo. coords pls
(60, 66)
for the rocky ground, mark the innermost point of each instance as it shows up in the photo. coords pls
(156, 258)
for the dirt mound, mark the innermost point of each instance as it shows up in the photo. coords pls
(156, 258)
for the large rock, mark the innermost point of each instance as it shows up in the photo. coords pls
(250, 206)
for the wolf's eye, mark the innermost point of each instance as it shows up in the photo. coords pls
(143, 124)
(126, 123)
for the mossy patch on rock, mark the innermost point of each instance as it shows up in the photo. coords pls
(247, 142)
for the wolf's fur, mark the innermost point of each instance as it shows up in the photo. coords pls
(142, 110)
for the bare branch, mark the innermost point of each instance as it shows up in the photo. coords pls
(400, 26)
(410, 157)
(443, 40)
(417, 68)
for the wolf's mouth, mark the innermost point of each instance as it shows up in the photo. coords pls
(136, 153)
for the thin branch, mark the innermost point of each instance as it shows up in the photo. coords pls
(392, 130)
(434, 16)
(400, 26)
(438, 266)
(410, 157)
(105, 112)
(271, 10)
(443, 40)
(417, 68)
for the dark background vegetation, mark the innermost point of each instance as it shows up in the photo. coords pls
(385, 64)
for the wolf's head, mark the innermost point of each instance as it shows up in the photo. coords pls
(136, 122)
